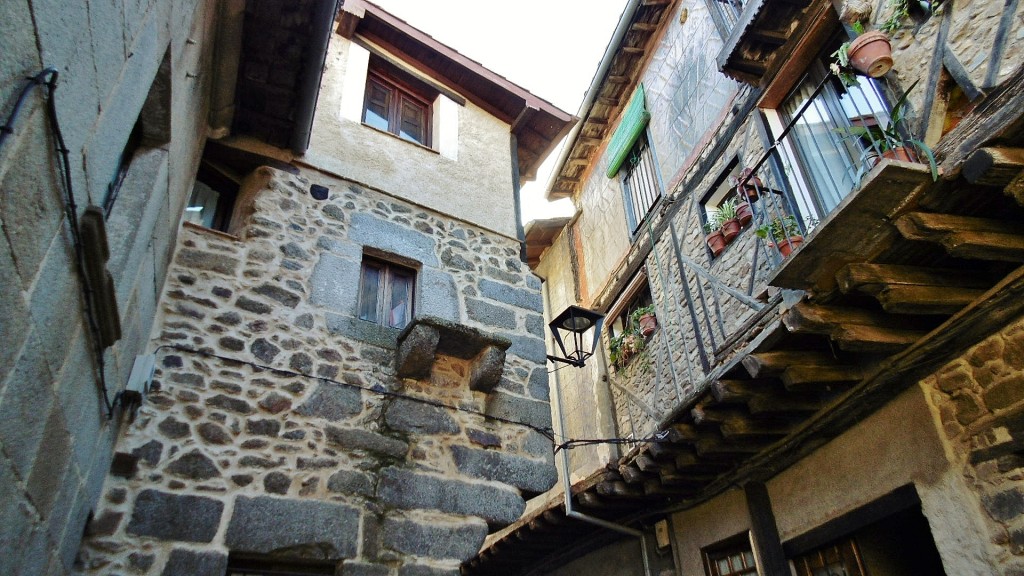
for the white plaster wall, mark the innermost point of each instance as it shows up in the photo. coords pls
(469, 178)
(707, 524)
(896, 445)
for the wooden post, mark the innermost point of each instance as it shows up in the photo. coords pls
(765, 533)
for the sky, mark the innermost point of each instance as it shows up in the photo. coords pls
(550, 47)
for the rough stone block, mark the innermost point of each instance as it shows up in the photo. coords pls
(195, 466)
(523, 473)
(439, 541)
(528, 348)
(438, 294)
(417, 347)
(351, 482)
(357, 439)
(538, 384)
(360, 569)
(499, 506)
(486, 370)
(297, 528)
(418, 418)
(525, 298)
(24, 399)
(532, 412)
(368, 230)
(13, 309)
(183, 562)
(175, 517)
(334, 402)
(491, 315)
(421, 570)
(334, 281)
(194, 259)
(51, 464)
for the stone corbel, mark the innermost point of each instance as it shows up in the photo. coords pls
(424, 339)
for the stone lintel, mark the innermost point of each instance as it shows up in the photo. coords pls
(422, 340)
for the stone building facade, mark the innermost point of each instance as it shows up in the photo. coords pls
(854, 405)
(331, 351)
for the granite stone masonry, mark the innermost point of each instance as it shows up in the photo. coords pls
(979, 399)
(278, 423)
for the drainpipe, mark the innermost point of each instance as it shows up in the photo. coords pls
(567, 482)
(595, 83)
(309, 87)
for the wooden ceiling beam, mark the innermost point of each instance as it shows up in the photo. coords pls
(727, 391)
(774, 362)
(993, 166)
(912, 289)
(966, 236)
(807, 318)
(819, 378)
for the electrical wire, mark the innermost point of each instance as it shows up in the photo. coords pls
(48, 78)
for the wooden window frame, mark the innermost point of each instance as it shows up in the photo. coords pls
(400, 93)
(388, 273)
(734, 545)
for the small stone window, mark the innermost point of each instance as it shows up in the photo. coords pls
(730, 557)
(397, 103)
(266, 566)
(386, 292)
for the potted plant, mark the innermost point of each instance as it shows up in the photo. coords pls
(887, 139)
(747, 185)
(714, 236)
(783, 233)
(870, 53)
(729, 221)
(743, 212)
(644, 320)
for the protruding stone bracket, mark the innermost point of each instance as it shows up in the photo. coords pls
(424, 339)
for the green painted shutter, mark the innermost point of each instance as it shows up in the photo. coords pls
(632, 125)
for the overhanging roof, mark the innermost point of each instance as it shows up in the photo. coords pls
(536, 123)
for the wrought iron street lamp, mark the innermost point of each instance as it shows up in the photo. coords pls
(569, 329)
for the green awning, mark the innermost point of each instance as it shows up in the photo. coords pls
(630, 128)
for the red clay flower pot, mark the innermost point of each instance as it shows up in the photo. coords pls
(787, 247)
(731, 229)
(871, 53)
(901, 153)
(716, 242)
(744, 213)
(648, 323)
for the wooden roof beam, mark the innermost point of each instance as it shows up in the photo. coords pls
(965, 236)
(820, 378)
(914, 290)
(995, 166)
(774, 362)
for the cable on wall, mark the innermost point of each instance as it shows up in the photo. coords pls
(48, 78)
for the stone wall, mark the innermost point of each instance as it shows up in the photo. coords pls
(55, 438)
(279, 425)
(979, 399)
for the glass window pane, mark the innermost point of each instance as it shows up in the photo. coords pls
(400, 308)
(378, 103)
(369, 288)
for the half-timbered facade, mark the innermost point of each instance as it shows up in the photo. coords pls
(853, 404)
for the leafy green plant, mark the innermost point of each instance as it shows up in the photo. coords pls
(841, 65)
(889, 136)
(901, 11)
(779, 229)
(726, 211)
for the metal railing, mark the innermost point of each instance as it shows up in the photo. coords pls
(725, 14)
(641, 183)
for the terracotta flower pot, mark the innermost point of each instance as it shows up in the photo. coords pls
(901, 153)
(744, 213)
(871, 53)
(787, 247)
(731, 229)
(716, 242)
(648, 323)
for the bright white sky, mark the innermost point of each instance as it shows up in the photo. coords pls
(550, 47)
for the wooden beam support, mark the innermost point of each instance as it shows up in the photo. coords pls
(782, 406)
(643, 27)
(965, 236)
(819, 378)
(912, 289)
(739, 391)
(773, 363)
(809, 318)
(744, 428)
(875, 339)
(765, 530)
(993, 166)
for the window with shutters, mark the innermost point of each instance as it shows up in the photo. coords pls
(393, 104)
(731, 557)
(386, 293)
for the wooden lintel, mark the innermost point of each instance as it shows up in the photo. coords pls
(774, 362)
(994, 166)
(966, 236)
